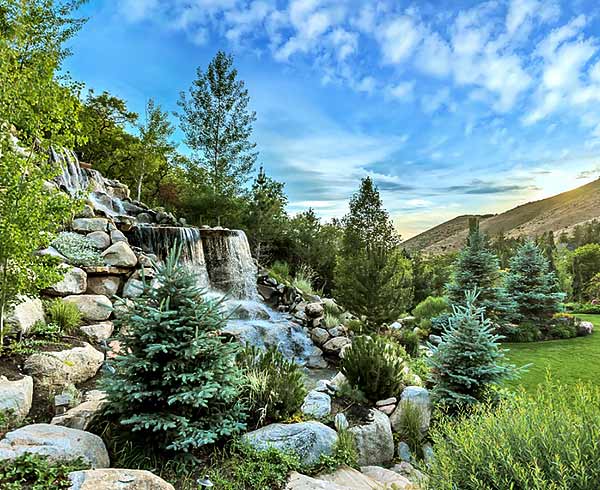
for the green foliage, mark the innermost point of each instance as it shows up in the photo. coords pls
(280, 271)
(244, 468)
(375, 365)
(176, 379)
(331, 320)
(352, 393)
(430, 275)
(303, 280)
(409, 427)
(77, 249)
(524, 332)
(531, 285)
(592, 290)
(407, 339)
(469, 361)
(30, 216)
(273, 388)
(34, 472)
(344, 453)
(429, 308)
(372, 277)
(584, 308)
(582, 235)
(585, 264)
(217, 126)
(65, 315)
(546, 440)
(561, 330)
(477, 268)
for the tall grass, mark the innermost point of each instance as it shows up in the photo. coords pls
(546, 441)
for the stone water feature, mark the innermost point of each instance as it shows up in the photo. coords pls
(221, 258)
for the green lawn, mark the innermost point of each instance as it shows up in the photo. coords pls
(567, 360)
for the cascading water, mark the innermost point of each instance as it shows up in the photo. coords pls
(159, 240)
(229, 263)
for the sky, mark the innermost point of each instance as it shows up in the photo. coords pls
(452, 107)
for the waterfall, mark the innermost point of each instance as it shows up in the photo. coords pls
(159, 240)
(229, 262)
(72, 178)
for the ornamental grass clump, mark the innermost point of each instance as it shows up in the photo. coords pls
(375, 365)
(176, 379)
(548, 440)
(273, 388)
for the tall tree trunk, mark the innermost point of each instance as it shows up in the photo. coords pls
(139, 187)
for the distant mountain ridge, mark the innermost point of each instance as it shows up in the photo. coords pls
(558, 214)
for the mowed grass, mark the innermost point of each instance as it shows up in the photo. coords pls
(567, 361)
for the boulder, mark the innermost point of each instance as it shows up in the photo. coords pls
(339, 331)
(93, 307)
(72, 366)
(388, 401)
(99, 331)
(317, 404)
(409, 472)
(74, 281)
(57, 443)
(117, 236)
(585, 328)
(389, 478)
(81, 416)
(133, 288)
(404, 452)
(51, 252)
(86, 212)
(119, 254)
(319, 335)
(299, 481)
(308, 440)
(145, 218)
(100, 239)
(25, 314)
(87, 225)
(374, 440)
(103, 285)
(16, 397)
(335, 345)
(420, 398)
(117, 479)
(314, 310)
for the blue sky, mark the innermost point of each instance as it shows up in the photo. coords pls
(452, 107)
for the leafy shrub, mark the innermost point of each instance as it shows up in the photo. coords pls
(347, 391)
(356, 326)
(375, 366)
(561, 330)
(547, 440)
(65, 315)
(280, 271)
(409, 427)
(77, 249)
(244, 468)
(525, 332)
(583, 308)
(176, 378)
(273, 386)
(407, 339)
(34, 472)
(439, 323)
(431, 307)
(344, 453)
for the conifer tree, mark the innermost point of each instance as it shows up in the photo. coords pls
(176, 378)
(372, 277)
(469, 361)
(532, 285)
(477, 268)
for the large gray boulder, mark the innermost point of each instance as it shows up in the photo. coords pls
(87, 225)
(308, 440)
(119, 254)
(133, 288)
(74, 281)
(100, 239)
(104, 285)
(374, 440)
(317, 404)
(25, 314)
(93, 307)
(117, 479)
(16, 397)
(314, 310)
(81, 416)
(58, 369)
(418, 397)
(57, 443)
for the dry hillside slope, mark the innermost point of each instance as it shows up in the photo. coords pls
(558, 213)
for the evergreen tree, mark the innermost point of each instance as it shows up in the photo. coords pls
(176, 378)
(532, 285)
(217, 125)
(422, 279)
(469, 361)
(585, 264)
(372, 277)
(267, 218)
(477, 268)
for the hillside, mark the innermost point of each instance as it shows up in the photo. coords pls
(558, 213)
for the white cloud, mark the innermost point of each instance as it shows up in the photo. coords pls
(402, 90)
(399, 38)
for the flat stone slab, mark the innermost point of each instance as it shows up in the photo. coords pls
(117, 479)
